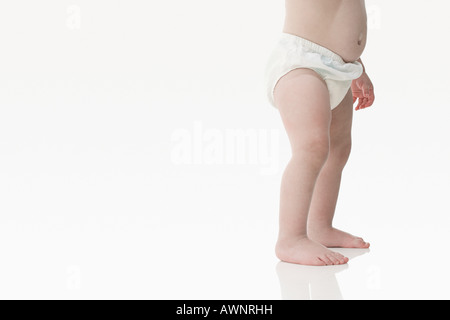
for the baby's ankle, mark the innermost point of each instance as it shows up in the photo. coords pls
(287, 239)
(319, 227)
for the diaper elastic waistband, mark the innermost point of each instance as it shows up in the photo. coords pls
(313, 46)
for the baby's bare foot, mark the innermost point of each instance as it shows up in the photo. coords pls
(307, 252)
(335, 238)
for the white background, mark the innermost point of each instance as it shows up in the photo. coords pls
(122, 172)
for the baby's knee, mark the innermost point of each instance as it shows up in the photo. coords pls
(341, 153)
(315, 150)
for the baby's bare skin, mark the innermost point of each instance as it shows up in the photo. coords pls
(320, 138)
(339, 25)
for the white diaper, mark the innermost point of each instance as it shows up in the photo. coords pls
(293, 52)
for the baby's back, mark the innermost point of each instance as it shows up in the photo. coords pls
(339, 25)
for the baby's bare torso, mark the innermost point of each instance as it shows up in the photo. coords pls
(339, 25)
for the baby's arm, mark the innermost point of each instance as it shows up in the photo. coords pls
(362, 89)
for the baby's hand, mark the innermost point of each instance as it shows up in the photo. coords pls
(362, 88)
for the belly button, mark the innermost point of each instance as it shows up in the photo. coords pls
(360, 39)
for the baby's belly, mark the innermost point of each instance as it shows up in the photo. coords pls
(339, 25)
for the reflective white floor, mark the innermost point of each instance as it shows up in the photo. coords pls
(124, 260)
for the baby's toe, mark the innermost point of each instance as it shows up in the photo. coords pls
(326, 260)
(341, 258)
(360, 243)
(333, 259)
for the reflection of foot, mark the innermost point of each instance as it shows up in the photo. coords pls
(309, 283)
(307, 252)
(335, 238)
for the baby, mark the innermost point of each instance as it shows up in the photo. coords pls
(314, 76)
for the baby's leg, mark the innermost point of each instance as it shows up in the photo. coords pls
(304, 104)
(325, 196)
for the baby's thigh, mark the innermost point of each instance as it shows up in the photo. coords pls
(303, 100)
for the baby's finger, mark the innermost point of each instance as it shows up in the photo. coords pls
(371, 100)
(362, 104)
(360, 101)
(357, 106)
(365, 103)
(368, 101)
